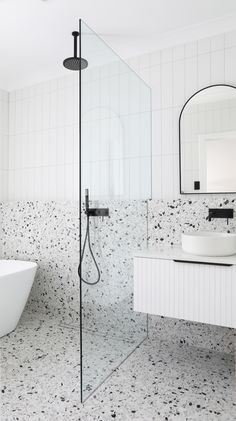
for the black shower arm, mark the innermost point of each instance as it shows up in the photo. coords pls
(75, 35)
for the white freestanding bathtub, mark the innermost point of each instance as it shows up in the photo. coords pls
(16, 280)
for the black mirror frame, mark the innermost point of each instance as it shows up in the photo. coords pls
(181, 112)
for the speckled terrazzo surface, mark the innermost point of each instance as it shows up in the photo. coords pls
(47, 232)
(161, 380)
(168, 219)
(164, 378)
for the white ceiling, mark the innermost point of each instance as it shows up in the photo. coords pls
(36, 34)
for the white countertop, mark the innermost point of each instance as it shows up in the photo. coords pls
(176, 253)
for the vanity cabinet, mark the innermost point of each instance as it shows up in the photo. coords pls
(175, 284)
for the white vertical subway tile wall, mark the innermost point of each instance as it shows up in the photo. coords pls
(43, 141)
(116, 134)
(174, 74)
(4, 156)
(43, 137)
(43, 125)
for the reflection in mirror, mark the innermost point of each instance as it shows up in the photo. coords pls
(207, 131)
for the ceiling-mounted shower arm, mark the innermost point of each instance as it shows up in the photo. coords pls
(75, 35)
(75, 62)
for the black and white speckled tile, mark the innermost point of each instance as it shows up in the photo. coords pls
(161, 380)
(32, 231)
(216, 338)
(166, 221)
(47, 232)
(41, 360)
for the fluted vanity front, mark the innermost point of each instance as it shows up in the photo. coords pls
(169, 282)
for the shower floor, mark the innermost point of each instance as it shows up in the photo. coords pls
(160, 381)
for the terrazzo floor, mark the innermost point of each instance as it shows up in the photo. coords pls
(161, 380)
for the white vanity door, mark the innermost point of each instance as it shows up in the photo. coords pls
(198, 292)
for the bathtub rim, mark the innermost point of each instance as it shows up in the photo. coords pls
(13, 266)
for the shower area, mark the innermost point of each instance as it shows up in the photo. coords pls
(76, 180)
(115, 183)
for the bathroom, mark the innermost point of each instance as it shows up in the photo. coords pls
(98, 184)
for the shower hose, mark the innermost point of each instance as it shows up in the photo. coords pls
(87, 238)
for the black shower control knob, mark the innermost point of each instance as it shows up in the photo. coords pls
(98, 212)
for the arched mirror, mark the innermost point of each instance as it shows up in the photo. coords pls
(207, 141)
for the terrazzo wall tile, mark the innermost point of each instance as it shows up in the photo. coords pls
(109, 304)
(115, 238)
(60, 256)
(32, 231)
(48, 233)
(23, 225)
(166, 221)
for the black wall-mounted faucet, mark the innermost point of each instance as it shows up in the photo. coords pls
(225, 213)
(94, 211)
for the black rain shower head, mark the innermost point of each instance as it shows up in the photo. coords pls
(75, 63)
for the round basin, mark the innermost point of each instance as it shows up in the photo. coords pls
(205, 243)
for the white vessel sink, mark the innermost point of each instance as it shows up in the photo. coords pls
(205, 243)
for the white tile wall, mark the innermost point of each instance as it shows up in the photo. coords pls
(174, 74)
(116, 137)
(43, 148)
(4, 147)
(43, 138)
(116, 133)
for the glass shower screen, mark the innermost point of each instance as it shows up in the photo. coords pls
(115, 183)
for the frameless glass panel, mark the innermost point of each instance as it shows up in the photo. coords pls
(116, 180)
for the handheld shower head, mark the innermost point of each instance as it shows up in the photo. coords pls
(87, 240)
(90, 212)
(75, 63)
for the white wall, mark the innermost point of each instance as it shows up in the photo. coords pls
(43, 141)
(174, 74)
(43, 156)
(116, 133)
(116, 137)
(4, 149)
